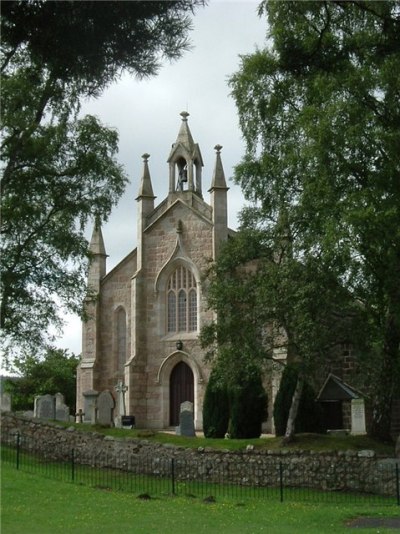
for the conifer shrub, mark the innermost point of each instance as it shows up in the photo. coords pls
(215, 407)
(248, 408)
(309, 416)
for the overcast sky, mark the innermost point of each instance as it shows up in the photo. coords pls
(146, 116)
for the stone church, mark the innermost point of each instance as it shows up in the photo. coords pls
(143, 328)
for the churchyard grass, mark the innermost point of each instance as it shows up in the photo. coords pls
(38, 505)
(316, 442)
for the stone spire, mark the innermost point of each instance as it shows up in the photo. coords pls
(184, 135)
(145, 188)
(145, 200)
(219, 204)
(218, 179)
(97, 268)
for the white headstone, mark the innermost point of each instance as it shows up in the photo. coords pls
(358, 416)
(121, 390)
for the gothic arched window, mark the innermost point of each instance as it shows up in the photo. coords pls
(182, 301)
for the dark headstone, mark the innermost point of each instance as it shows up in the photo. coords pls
(186, 421)
(105, 407)
(90, 397)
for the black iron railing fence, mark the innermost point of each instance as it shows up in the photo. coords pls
(201, 478)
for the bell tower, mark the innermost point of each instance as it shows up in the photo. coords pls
(185, 162)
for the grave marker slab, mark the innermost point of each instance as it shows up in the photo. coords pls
(358, 417)
(6, 402)
(45, 407)
(90, 397)
(186, 420)
(105, 407)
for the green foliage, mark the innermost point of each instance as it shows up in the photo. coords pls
(59, 171)
(248, 408)
(238, 409)
(215, 407)
(319, 111)
(309, 416)
(55, 373)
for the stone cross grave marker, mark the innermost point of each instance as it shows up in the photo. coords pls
(120, 389)
(105, 408)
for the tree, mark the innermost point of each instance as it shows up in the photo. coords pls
(215, 407)
(60, 170)
(309, 416)
(267, 301)
(319, 110)
(56, 373)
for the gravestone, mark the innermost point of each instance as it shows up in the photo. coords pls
(90, 397)
(358, 417)
(186, 420)
(6, 402)
(62, 410)
(105, 407)
(59, 397)
(45, 407)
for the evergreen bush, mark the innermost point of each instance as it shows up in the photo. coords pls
(215, 408)
(248, 408)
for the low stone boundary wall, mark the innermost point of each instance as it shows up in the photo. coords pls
(360, 471)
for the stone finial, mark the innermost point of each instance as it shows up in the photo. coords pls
(218, 148)
(145, 157)
(184, 115)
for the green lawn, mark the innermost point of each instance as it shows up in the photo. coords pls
(33, 504)
(315, 442)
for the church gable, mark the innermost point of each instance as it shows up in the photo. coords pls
(150, 308)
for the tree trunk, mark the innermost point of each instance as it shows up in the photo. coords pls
(294, 407)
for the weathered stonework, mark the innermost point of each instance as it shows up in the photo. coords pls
(358, 471)
(127, 336)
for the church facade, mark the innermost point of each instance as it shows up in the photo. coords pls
(143, 327)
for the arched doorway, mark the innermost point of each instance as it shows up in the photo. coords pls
(181, 389)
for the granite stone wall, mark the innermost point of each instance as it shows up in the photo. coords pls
(361, 471)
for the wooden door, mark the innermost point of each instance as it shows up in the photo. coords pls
(181, 389)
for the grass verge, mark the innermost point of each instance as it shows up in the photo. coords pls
(315, 442)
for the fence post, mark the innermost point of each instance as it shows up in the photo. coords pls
(18, 448)
(173, 475)
(281, 480)
(73, 465)
(397, 483)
